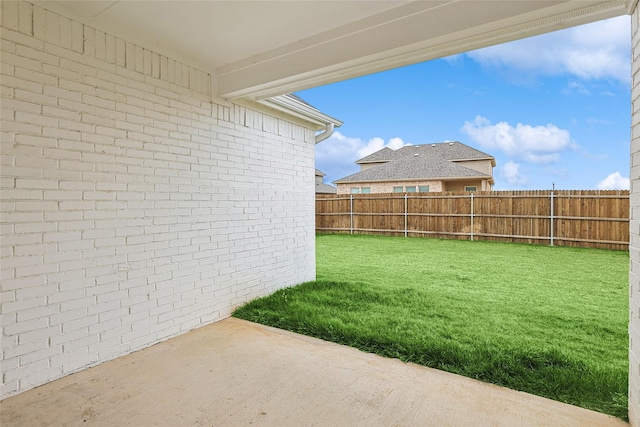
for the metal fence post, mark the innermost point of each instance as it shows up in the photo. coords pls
(351, 211)
(551, 218)
(405, 214)
(472, 217)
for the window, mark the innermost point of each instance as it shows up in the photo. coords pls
(366, 190)
(355, 190)
(470, 188)
(411, 189)
(397, 189)
(423, 188)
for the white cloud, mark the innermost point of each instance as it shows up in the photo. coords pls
(576, 87)
(454, 59)
(336, 155)
(511, 173)
(600, 50)
(374, 144)
(614, 181)
(533, 144)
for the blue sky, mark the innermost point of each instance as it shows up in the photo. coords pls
(552, 109)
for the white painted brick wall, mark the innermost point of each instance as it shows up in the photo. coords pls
(634, 247)
(133, 208)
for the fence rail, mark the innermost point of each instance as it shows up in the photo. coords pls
(596, 219)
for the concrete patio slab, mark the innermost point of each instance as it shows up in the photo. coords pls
(237, 373)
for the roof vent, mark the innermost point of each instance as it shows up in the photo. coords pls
(416, 154)
(433, 145)
(451, 143)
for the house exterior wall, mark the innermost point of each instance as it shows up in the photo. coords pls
(482, 166)
(482, 185)
(634, 227)
(133, 208)
(387, 187)
(434, 186)
(365, 166)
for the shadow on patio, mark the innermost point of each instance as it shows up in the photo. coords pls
(237, 373)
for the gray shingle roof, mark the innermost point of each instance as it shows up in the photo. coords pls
(323, 188)
(383, 155)
(445, 150)
(423, 166)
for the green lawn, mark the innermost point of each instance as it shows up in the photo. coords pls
(548, 321)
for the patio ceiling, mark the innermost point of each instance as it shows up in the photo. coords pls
(259, 49)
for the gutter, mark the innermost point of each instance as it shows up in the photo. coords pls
(326, 133)
(295, 106)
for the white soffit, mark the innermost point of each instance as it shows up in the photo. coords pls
(259, 49)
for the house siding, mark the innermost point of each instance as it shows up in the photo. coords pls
(634, 226)
(482, 166)
(460, 185)
(133, 208)
(365, 166)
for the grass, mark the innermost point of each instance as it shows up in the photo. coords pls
(547, 321)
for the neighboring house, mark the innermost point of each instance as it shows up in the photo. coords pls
(321, 187)
(446, 166)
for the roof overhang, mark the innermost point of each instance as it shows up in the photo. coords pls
(261, 49)
(490, 158)
(296, 107)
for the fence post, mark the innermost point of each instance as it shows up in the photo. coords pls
(405, 214)
(472, 217)
(551, 218)
(351, 212)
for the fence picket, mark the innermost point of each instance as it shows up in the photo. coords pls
(598, 219)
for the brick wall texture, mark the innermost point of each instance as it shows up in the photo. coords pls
(387, 187)
(634, 226)
(133, 208)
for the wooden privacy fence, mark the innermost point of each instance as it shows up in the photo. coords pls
(595, 219)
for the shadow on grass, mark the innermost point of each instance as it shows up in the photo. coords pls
(398, 323)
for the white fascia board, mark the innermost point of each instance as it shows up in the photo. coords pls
(294, 107)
